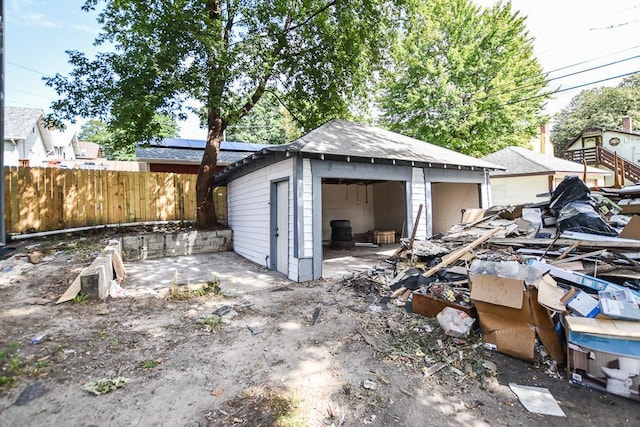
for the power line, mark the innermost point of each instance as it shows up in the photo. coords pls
(594, 68)
(591, 60)
(29, 69)
(571, 88)
(521, 86)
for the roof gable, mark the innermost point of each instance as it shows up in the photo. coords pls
(344, 138)
(20, 122)
(520, 161)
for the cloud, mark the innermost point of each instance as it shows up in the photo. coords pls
(38, 20)
(94, 30)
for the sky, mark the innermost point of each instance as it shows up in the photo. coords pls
(581, 34)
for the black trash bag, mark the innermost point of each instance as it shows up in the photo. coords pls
(570, 189)
(579, 216)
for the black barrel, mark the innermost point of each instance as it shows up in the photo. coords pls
(341, 236)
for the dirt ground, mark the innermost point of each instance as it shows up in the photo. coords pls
(263, 351)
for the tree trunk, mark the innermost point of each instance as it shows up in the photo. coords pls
(206, 214)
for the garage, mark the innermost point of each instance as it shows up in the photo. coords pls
(282, 200)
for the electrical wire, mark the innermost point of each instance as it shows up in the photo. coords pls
(571, 88)
(29, 69)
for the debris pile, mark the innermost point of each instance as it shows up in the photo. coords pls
(556, 282)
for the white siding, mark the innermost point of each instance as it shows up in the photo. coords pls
(37, 154)
(248, 199)
(293, 264)
(518, 190)
(11, 154)
(307, 209)
(419, 196)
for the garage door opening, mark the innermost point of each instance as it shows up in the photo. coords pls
(375, 211)
(449, 200)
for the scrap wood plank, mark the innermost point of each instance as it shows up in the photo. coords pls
(71, 292)
(568, 251)
(456, 255)
(398, 292)
(593, 254)
(415, 227)
(592, 244)
(118, 266)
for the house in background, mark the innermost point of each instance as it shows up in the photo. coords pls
(282, 199)
(90, 151)
(542, 143)
(65, 144)
(600, 147)
(185, 155)
(27, 142)
(529, 176)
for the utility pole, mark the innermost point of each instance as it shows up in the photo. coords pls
(3, 231)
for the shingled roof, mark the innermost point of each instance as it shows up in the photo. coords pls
(343, 140)
(189, 151)
(19, 122)
(520, 161)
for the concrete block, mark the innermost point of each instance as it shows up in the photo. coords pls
(95, 280)
(90, 283)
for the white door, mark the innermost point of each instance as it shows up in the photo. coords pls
(282, 227)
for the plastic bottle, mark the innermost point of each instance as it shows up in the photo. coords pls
(38, 338)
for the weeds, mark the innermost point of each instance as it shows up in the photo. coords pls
(150, 364)
(213, 323)
(10, 367)
(81, 298)
(211, 287)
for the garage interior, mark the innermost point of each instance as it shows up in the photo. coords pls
(368, 205)
(449, 200)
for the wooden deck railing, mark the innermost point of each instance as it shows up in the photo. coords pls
(598, 156)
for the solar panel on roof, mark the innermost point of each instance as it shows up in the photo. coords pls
(200, 144)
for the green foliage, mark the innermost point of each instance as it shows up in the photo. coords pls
(268, 122)
(81, 298)
(224, 55)
(150, 364)
(113, 142)
(10, 367)
(464, 77)
(317, 54)
(599, 107)
(213, 323)
(186, 292)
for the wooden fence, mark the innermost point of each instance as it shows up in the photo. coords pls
(43, 199)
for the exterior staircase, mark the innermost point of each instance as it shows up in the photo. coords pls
(598, 156)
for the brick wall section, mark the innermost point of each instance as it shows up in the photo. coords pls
(159, 245)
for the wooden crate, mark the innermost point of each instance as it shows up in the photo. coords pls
(382, 237)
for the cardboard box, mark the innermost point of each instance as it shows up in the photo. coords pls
(604, 355)
(629, 206)
(510, 317)
(619, 304)
(430, 306)
(581, 303)
(632, 229)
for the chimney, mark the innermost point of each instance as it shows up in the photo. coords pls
(626, 124)
(543, 139)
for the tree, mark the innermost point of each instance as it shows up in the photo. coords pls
(226, 54)
(267, 122)
(100, 133)
(464, 77)
(599, 107)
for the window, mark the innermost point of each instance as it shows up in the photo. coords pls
(614, 141)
